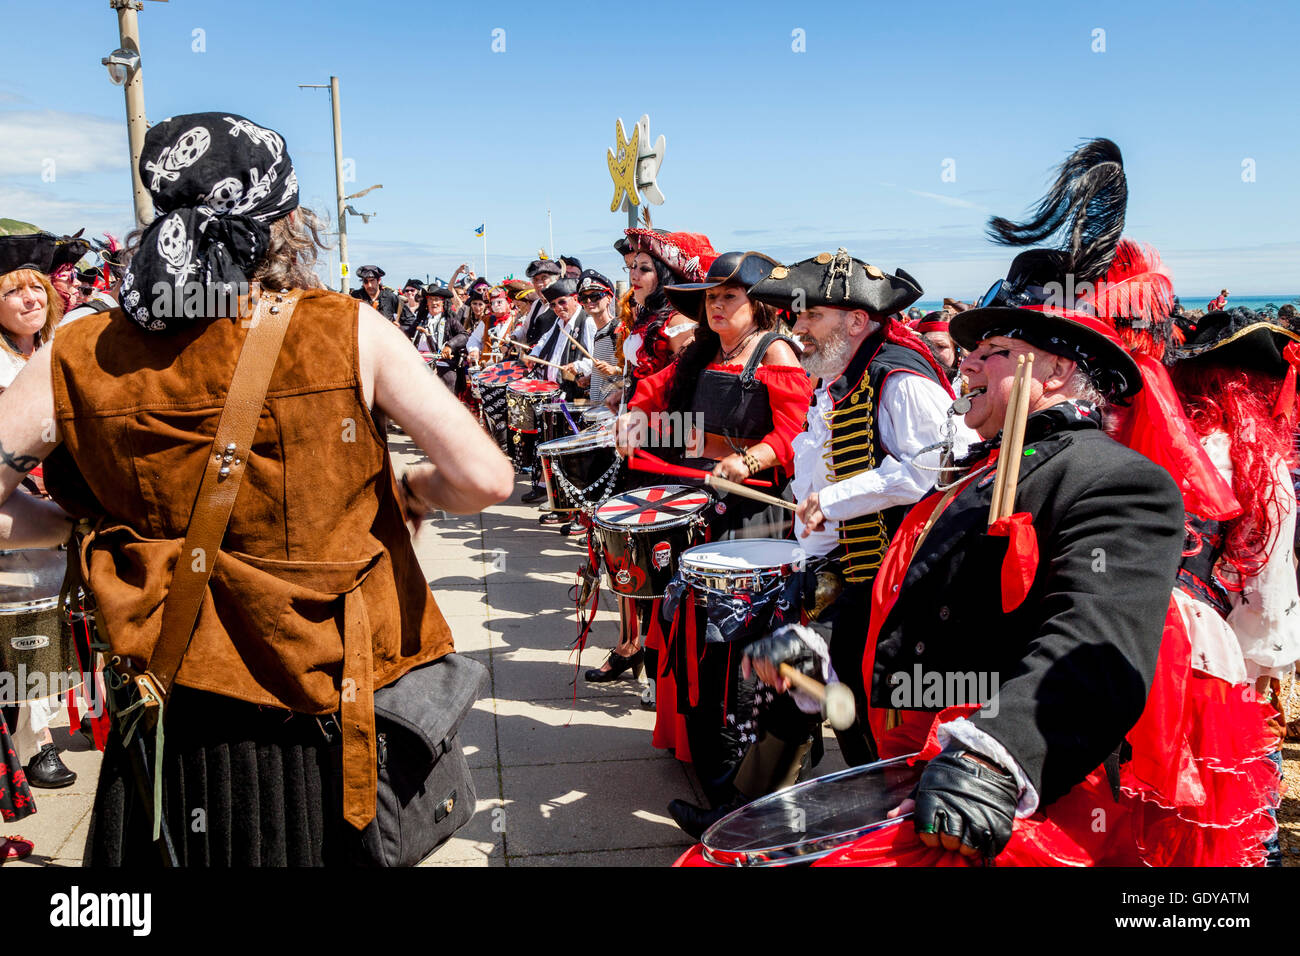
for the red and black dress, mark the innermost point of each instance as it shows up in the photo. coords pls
(699, 686)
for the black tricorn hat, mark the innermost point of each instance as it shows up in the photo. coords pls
(739, 268)
(542, 267)
(441, 291)
(367, 272)
(41, 251)
(1031, 304)
(413, 284)
(559, 288)
(839, 281)
(1238, 338)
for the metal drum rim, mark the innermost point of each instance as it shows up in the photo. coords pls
(737, 856)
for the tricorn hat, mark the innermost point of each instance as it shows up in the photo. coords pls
(839, 281)
(441, 291)
(739, 268)
(687, 255)
(370, 272)
(41, 251)
(1031, 304)
(1239, 338)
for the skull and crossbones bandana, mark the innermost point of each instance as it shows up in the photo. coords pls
(217, 180)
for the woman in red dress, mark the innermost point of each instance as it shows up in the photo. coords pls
(738, 398)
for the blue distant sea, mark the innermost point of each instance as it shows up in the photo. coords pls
(1255, 302)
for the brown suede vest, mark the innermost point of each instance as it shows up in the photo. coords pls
(316, 564)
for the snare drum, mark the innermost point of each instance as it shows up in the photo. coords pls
(36, 643)
(490, 387)
(557, 419)
(746, 565)
(644, 530)
(805, 822)
(522, 399)
(580, 470)
(597, 416)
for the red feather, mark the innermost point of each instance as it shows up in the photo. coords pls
(1137, 296)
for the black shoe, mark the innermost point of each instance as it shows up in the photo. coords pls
(550, 518)
(617, 665)
(534, 496)
(695, 820)
(47, 770)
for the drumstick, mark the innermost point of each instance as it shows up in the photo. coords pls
(837, 701)
(577, 343)
(1000, 477)
(723, 484)
(682, 471)
(1015, 443)
(529, 358)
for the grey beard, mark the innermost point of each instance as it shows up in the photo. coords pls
(831, 358)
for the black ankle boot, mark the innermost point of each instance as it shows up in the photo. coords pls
(617, 665)
(47, 770)
(695, 820)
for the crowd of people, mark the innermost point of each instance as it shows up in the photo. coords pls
(1091, 500)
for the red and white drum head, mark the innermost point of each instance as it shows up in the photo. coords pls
(651, 507)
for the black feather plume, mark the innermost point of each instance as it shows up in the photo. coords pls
(1087, 201)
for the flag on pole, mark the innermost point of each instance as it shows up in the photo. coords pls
(479, 231)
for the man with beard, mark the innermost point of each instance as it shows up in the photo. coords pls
(881, 401)
(539, 318)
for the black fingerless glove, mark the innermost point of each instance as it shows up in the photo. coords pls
(783, 646)
(968, 800)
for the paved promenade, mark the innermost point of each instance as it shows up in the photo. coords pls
(561, 781)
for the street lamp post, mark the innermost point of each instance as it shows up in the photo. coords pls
(124, 69)
(341, 203)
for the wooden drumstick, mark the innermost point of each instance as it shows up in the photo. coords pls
(722, 484)
(529, 358)
(837, 701)
(1015, 442)
(577, 343)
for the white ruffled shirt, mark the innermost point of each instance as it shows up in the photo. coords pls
(912, 412)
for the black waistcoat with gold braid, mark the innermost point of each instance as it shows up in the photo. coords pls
(856, 447)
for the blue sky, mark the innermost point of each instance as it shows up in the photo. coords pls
(786, 152)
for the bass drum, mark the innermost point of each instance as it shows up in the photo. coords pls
(36, 640)
(644, 530)
(490, 386)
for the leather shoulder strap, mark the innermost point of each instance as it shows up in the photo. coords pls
(220, 484)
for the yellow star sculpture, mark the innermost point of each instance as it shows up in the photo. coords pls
(622, 167)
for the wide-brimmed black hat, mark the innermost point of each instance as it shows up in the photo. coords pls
(838, 281)
(1238, 338)
(1029, 305)
(441, 291)
(559, 288)
(370, 272)
(739, 268)
(541, 267)
(413, 284)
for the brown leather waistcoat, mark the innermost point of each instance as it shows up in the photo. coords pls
(316, 596)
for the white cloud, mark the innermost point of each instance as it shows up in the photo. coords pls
(76, 142)
(61, 214)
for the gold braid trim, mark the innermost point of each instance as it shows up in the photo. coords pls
(864, 539)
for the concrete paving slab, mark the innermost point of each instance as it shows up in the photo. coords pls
(604, 805)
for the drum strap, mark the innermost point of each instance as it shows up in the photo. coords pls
(218, 488)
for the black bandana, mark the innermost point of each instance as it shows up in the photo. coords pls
(217, 182)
